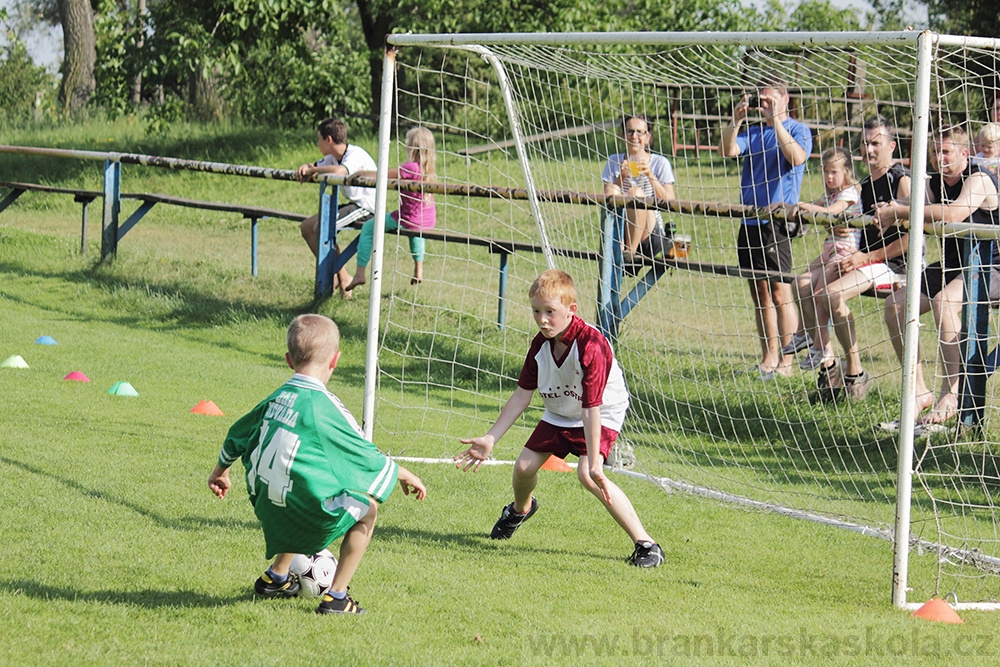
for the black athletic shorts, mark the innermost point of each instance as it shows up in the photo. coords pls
(935, 277)
(764, 248)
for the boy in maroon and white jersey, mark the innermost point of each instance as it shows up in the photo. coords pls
(572, 366)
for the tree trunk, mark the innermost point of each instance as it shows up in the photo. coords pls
(78, 81)
(375, 27)
(137, 81)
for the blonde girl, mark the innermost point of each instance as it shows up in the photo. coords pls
(988, 148)
(417, 210)
(841, 197)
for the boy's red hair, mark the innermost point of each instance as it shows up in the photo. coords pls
(554, 284)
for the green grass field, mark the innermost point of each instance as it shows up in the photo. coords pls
(117, 552)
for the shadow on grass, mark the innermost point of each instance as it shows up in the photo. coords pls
(480, 542)
(150, 599)
(181, 524)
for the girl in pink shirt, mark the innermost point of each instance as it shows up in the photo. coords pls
(416, 209)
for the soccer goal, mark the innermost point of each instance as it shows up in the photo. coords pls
(524, 124)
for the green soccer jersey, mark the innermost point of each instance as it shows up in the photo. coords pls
(310, 471)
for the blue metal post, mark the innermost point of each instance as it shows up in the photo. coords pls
(609, 283)
(10, 198)
(502, 301)
(112, 208)
(975, 332)
(253, 247)
(83, 228)
(329, 204)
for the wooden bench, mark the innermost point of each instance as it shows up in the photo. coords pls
(328, 263)
(148, 201)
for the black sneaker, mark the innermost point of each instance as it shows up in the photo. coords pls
(331, 605)
(266, 587)
(643, 556)
(510, 520)
(830, 383)
(857, 386)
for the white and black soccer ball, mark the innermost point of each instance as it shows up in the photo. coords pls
(315, 572)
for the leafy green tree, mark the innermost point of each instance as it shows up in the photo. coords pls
(964, 17)
(21, 81)
(821, 15)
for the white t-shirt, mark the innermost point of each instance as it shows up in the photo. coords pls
(991, 164)
(586, 376)
(851, 194)
(659, 165)
(355, 159)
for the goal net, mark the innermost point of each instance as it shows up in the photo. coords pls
(529, 122)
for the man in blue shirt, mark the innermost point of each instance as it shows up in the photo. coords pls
(774, 157)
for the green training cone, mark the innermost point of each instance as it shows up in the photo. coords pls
(122, 389)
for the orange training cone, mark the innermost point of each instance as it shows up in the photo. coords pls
(207, 408)
(938, 610)
(557, 464)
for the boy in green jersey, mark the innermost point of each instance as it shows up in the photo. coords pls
(311, 475)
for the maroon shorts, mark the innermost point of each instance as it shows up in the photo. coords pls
(560, 441)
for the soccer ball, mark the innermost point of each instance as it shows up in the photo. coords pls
(315, 572)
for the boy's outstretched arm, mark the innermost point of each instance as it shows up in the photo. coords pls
(481, 447)
(219, 482)
(410, 483)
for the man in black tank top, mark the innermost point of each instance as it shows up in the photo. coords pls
(956, 192)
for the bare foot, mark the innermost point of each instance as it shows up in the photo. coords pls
(784, 370)
(944, 409)
(924, 401)
(355, 283)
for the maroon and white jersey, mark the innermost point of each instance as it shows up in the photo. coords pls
(586, 376)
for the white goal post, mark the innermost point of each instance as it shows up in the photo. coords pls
(524, 124)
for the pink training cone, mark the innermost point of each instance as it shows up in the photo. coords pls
(937, 610)
(557, 464)
(207, 408)
(77, 376)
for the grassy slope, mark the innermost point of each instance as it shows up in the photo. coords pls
(116, 551)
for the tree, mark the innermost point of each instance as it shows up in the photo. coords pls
(22, 82)
(80, 47)
(821, 15)
(964, 17)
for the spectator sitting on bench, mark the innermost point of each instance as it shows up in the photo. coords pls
(959, 192)
(878, 263)
(416, 210)
(841, 197)
(639, 173)
(343, 159)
